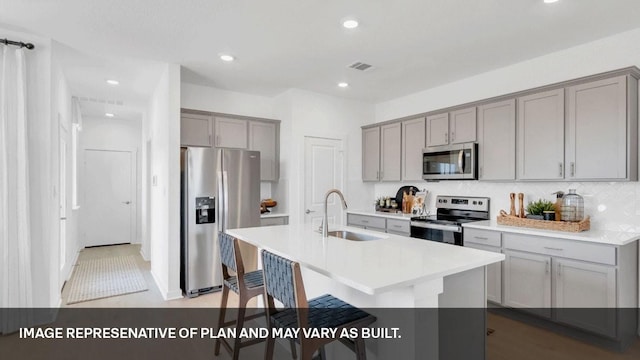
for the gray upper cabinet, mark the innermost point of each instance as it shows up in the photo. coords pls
(454, 127)
(497, 141)
(371, 154)
(598, 133)
(390, 152)
(196, 130)
(462, 126)
(263, 137)
(541, 136)
(393, 152)
(413, 141)
(438, 130)
(231, 133)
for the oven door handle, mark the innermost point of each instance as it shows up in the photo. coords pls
(424, 225)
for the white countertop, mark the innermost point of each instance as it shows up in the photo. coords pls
(399, 216)
(272, 215)
(373, 266)
(596, 236)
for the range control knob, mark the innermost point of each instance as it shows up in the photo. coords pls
(475, 202)
(479, 202)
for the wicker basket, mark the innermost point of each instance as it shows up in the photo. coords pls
(510, 220)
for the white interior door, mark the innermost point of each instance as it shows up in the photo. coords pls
(109, 184)
(323, 170)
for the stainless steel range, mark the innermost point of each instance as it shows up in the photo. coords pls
(451, 212)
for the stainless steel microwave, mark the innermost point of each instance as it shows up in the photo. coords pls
(454, 162)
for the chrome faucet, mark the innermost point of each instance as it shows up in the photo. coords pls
(325, 225)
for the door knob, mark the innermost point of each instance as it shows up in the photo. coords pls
(308, 211)
(126, 202)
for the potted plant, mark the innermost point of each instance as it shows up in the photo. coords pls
(536, 209)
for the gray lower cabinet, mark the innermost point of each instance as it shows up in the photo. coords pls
(585, 285)
(577, 285)
(488, 241)
(272, 221)
(527, 282)
(378, 223)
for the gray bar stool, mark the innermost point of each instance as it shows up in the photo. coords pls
(283, 282)
(246, 285)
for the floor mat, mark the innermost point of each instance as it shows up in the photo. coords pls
(102, 278)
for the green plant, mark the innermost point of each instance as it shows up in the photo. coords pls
(538, 207)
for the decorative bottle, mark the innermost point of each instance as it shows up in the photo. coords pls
(572, 206)
(558, 205)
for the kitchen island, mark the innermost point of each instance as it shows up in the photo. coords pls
(390, 272)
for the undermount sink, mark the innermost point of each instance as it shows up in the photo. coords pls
(348, 235)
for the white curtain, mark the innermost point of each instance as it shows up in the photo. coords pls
(15, 239)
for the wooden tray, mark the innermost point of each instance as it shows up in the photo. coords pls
(510, 220)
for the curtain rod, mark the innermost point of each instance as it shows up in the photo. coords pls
(17, 43)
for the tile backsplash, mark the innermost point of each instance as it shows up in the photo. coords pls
(611, 205)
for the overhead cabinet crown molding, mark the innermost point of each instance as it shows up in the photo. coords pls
(584, 129)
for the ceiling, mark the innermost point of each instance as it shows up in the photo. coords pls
(281, 44)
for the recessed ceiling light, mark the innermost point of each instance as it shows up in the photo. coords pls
(343, 84)
(109, 115)
(225, 57)
(550, 1)
(113, 82)
(350, 24)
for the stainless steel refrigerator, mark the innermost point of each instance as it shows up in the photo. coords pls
(220, 189)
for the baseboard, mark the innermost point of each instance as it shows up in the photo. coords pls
(144, 254)
(166, 294)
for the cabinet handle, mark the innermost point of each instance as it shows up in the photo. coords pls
(546, 266)
(551, 248)
(377, 175)
(446, 138)
(559, 271)
(217, 140)
(453, 136)
(480, 171)
(573, 168)
(480, 238)
(397, 226)
(560, 169)
(210, 142)
(381, 175)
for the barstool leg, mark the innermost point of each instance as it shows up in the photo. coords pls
(223, 310)
(268, 352)
(239, 324)
(361, 351)
(294, 353)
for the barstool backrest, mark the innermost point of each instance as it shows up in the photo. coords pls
(230, 253)
(283, 280)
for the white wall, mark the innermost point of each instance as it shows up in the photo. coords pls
(102, 133)
(610, 53)
(198, 97)
(61, 129)
(162, 129)
(305, 113)
(614, 206)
